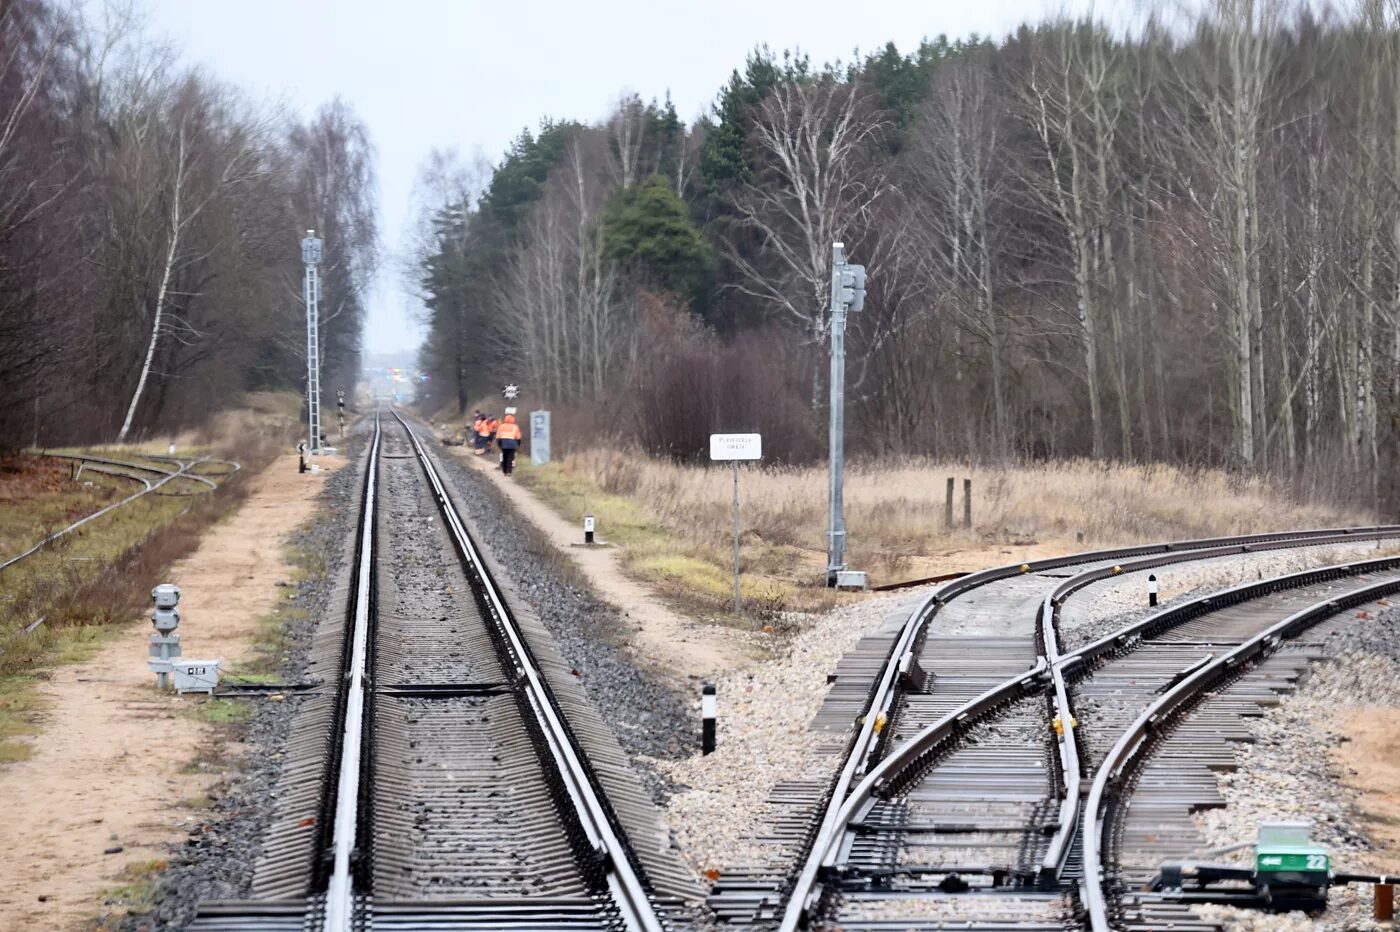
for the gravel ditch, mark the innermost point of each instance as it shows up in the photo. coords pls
(217, 859)
(1289, 773)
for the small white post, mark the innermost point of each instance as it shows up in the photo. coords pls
(709, 710)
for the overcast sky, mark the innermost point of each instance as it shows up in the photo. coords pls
(470, 75)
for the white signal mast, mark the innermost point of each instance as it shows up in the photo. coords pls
(311, 255)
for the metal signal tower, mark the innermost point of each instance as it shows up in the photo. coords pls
(311, 255)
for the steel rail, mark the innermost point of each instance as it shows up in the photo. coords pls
(1058, 851)
(340, 894)
(625, 886)
(805, 895)
(183, 468)
(1135, 744)
(116, 472)
(106, 461)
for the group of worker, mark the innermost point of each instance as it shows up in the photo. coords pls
(505, 434)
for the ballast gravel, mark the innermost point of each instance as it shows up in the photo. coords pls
(1103, 607)
(1288, 773)
(650, 721)
(217, 859)
(763, 738)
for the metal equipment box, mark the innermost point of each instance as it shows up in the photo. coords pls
(852, 579)
(196, 676)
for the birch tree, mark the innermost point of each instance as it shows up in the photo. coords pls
(816, 184)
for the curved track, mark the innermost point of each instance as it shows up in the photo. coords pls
(183, 470)
(969, 778)
(1174, 729)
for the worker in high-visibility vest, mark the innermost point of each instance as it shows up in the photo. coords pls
(508, 437)
(473, 434)
(483, 434)
(492, 423)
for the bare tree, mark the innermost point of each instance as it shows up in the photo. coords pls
(817, 184)
(954, 173)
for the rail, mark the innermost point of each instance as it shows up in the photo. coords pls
(183, 472)
(804, 898)
(340, 894)
(1132, 747)
(625, 886)
(1058, 851)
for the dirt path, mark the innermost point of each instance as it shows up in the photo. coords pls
(116, 775)
(1370, 763)
(662, 640)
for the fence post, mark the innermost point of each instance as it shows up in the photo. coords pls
(948, 506)
(967, 504)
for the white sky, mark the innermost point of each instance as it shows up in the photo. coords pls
(470, 75)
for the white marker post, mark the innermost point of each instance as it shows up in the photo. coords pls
(736, 448)
(709, 710)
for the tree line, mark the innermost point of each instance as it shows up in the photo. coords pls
(1177, 242)
(150, 219)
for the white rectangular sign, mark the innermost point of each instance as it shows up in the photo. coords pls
(726, 447)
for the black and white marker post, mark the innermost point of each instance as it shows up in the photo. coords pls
(588, 529)
(301, 456)
(709, 708)
(1152, 590)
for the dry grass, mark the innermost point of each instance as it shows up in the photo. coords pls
(88, 583)
(675, 521)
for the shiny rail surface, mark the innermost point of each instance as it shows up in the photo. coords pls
(444, 782)
(861, 778)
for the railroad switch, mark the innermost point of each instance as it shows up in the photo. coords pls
(1289, 872)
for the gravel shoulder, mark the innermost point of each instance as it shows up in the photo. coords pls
(1301, 767)
(649, 717)
(670, 646)
(763, 739)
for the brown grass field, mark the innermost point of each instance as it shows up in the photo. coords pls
(675, 521)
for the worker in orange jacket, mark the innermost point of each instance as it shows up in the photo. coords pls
(474, 435)
(508, 437)
(484, 430)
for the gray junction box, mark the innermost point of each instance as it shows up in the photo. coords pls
(196, 676)
(539, 437)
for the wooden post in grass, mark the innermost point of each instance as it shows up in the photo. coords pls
(967, 504)
(948, 506)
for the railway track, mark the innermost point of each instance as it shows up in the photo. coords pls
(181, 470)
(1174, 730)
(964, 774)
(449, 771)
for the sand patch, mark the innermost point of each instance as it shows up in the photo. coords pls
(1370, 763)
(118, 770)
